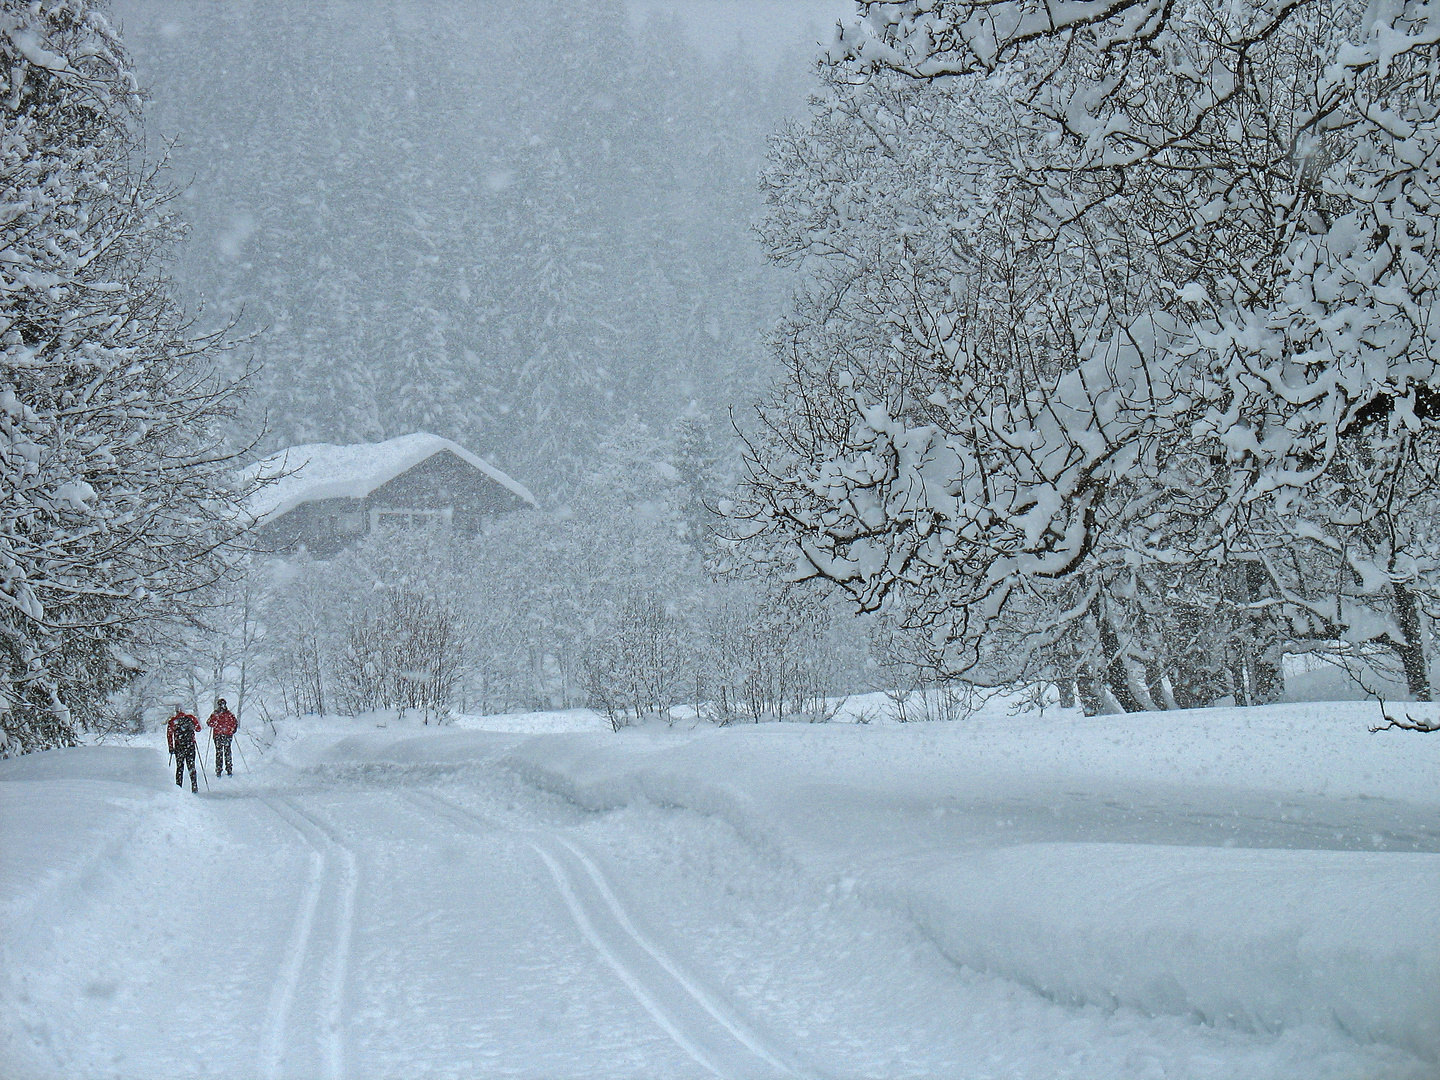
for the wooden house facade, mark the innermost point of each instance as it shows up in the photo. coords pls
(324, 497)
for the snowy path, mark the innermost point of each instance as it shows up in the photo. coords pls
(742, 905)
(435, 955)
(333, 875)
(697, 1018)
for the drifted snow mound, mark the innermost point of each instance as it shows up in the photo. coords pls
(123, 764)
(1261, 939)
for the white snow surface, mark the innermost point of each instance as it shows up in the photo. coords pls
(1220, 893)
(325, 471)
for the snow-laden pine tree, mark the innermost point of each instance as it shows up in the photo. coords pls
(1103, 292)
(114, 499)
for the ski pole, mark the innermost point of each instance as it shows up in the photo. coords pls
(242, 755)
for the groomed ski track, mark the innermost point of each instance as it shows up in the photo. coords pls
(333, 875)
(304, 1030)
(699, 1020)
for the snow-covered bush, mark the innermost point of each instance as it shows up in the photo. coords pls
(643, 666)
(403, 652)
(301, 612)
(549, 585)
(775, 652)
(379, 626)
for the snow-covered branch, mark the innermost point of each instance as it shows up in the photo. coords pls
(1137, 288)
(115, 500)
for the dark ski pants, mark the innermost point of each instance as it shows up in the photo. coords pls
(222, 753)
(182, 758)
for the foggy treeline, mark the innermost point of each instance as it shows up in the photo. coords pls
(516, 225)
(527, 228)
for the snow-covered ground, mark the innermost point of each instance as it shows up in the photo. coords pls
(1226, 893)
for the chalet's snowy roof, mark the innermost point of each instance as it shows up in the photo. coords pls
(322, 471)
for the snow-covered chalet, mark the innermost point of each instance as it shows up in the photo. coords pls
(324, 497)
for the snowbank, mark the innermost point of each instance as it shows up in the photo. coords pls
(535, 723)
(1312, 749)
(1284, 929)
(1261, 939)
(66, 817)
(122, 764)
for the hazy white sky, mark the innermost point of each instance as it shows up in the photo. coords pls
(769, 28)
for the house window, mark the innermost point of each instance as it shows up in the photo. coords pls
(351, 524)
(410, 519)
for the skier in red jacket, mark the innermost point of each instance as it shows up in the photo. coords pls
(180, 737)
(223, 723)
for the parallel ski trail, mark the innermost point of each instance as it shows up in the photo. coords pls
(328, 850)
(627, 976)
(334, 1021)
(698, 1021)
(725, 1016)
(282, 995)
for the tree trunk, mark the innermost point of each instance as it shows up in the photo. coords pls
(1412, 652)
(1091, 697)
(1117, 675)
(1065, 686)
(1267, 681)
(1239, 686)
(1155, 686)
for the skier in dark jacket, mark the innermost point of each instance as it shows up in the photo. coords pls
(180, 737)
(223, 723)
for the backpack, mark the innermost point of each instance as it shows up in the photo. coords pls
(184, 737)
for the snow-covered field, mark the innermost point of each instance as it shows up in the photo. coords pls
(1226, 893)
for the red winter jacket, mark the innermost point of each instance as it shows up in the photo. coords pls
(179, 718)
(223, 722)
